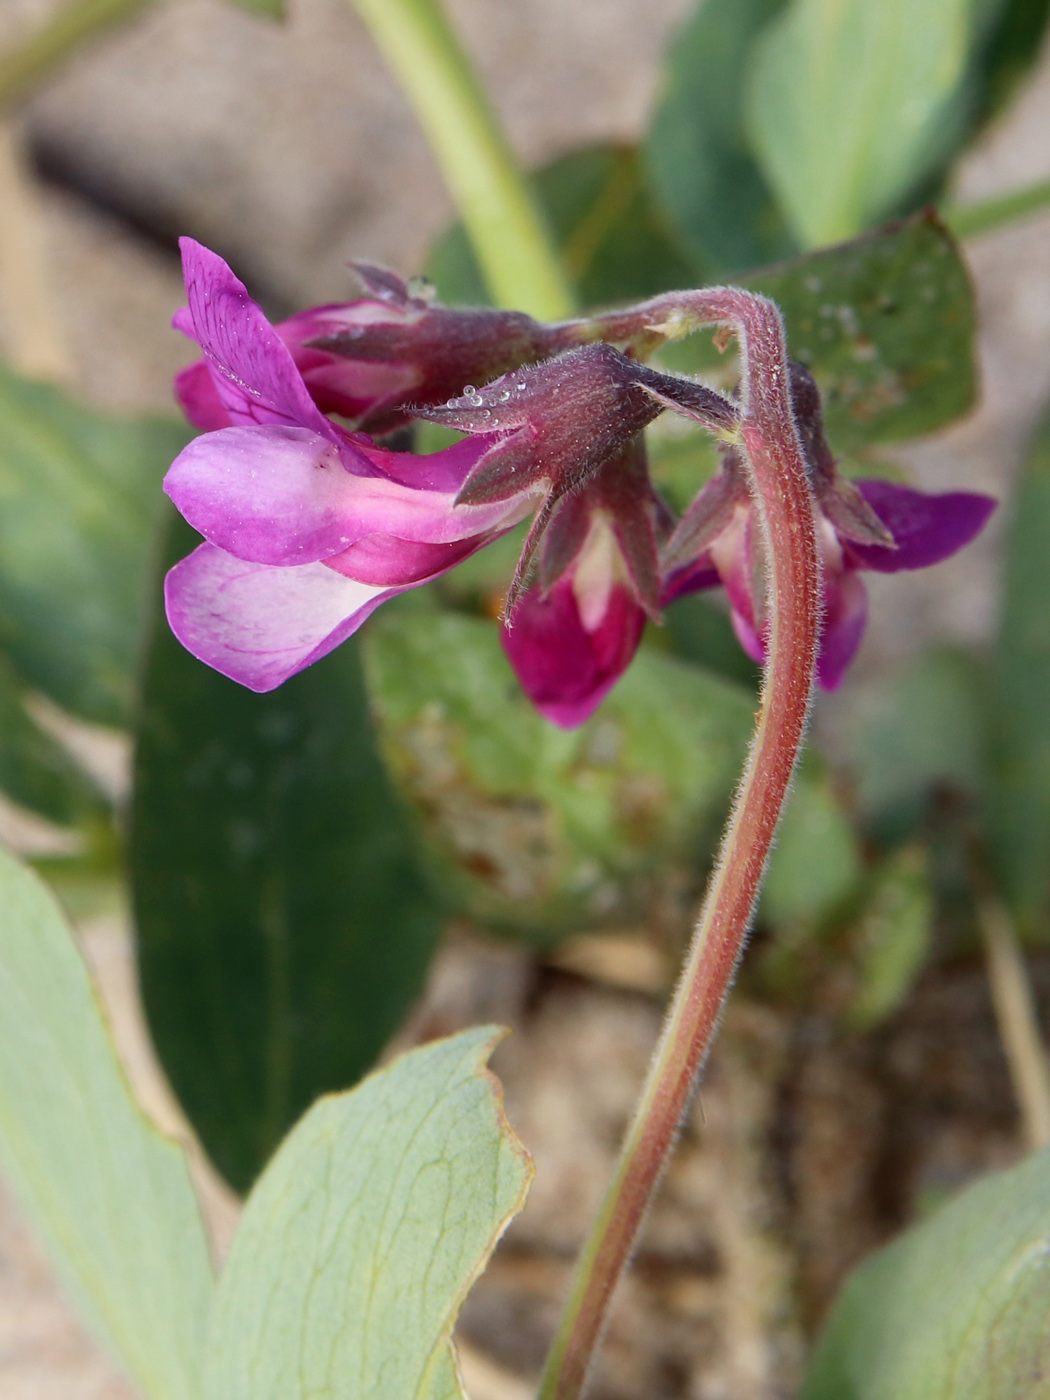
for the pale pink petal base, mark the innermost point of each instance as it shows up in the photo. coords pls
(257, 624)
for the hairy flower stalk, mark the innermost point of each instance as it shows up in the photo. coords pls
(786, 513)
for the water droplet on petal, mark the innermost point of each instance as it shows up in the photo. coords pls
(468, 389)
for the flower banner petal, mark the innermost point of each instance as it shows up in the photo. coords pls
(258, 381)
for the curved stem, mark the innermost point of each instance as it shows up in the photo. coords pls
(518, 261)
(786, 510)
(26, 63)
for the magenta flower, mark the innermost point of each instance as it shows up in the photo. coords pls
(308, 527)
(868, 525)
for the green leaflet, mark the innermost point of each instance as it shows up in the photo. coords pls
(850, 104)
(885, 323)
(1019, 795)
(957, 1309)
(534, 828)
(284, 928)
(362, 1237)
(110, 1196)
(79, 500)
(702, 172)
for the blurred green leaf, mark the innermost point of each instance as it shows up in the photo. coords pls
(699, 163)
(614, 245)
(1019, 797)
(892, 933)
(35, 770)
(533, 828)
(284, 929)
(79, 500)
(815, 862)
(850, 104)
(360, 1241)
(1016, 30)
(914, 733)
(956, 1309)
(270, 9)
(886, 324)
(109, 1195)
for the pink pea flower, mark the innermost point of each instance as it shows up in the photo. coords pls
(307, 527)
(864, 525)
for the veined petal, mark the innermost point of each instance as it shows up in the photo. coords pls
(271, 495)
(926, 528)
(257, 380)
(257, 624)
(565, 670)
(280, 495)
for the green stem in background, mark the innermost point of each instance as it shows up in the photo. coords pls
(513, 246)
(973, 219)
(1015, 1013)
(25, 64)
(786, 511)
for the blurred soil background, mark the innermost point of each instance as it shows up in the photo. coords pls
(290, 150)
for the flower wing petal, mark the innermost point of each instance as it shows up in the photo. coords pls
(259, 625)
(926, 528)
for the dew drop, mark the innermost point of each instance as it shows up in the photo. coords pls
(468, 389)
(521, 385)
(504, 395)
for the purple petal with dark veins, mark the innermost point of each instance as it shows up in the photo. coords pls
(926, 528)
(257, 380)
(565, 670)
(257, 624)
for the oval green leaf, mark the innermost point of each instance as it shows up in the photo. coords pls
(109, 1195)
(957, 1309)
(362, 1237)
(850, 103)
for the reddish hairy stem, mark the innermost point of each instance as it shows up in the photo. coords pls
(786, 511)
